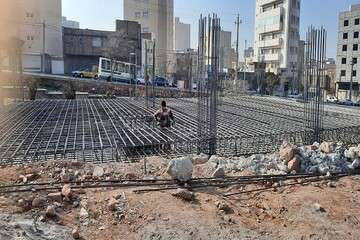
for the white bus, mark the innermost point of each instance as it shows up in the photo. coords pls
(122, 71)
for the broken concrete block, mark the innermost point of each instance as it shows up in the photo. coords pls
(57, 197)
(219, 173)
(200, 159)
(98, 172)
(180, 169)
(183, 194)
(287, 152)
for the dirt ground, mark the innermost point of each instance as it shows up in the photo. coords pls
(312, 211)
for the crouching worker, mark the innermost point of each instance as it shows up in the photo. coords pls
(164, 116)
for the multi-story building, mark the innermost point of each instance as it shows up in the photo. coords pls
(182, 35)
(348, 52)
(157, 17)
(38, 24)
(277, 37)
(225, 50)
(84, 47)
(70, 23)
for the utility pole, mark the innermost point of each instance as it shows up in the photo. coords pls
(351, 79)
(146, 77)
(245, 66)
(237, 47)
(153, 73)
(43, 49)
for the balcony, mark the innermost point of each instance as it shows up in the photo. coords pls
(273, 57)
(266, 2)
(271, 43)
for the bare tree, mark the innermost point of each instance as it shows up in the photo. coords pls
(116, 49)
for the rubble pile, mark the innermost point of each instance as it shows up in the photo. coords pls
(316, 158)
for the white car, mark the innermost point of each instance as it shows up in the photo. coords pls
(331, 99)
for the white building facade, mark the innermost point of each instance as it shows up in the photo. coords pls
(277, 38)
(348, 52)
(225, 50)
(41, 30)
(70, 23)
(182, 35)
(156, 17)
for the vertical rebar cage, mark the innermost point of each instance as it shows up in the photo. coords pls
(315, 57)
(208, 82)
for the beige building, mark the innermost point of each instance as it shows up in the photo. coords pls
(182, 35)
(277, 38)
(225, 50)
(156, 17)
(38, 23)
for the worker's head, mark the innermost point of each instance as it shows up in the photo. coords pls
(163, 104)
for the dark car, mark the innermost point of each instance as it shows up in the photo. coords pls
(161, 82)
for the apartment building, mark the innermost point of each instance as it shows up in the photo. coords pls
(67, 23)
(182, 35)
(277, 38)
(38, 24)
(348, 52)
(156, 17)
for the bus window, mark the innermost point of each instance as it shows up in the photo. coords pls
(127, 69)
(121, 65)
(103, 64)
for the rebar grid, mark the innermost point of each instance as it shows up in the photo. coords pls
(121, 130)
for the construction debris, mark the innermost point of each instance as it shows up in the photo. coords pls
(180, 169)
(183, 194)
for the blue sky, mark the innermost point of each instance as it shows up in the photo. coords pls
(101, 14)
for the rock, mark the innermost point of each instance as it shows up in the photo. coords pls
(23, 179)
(314, 146)
(331, 184)
(57, 197)
(294, 164)
(31, 176)
(76, 233)
(350, 153)
(83, 213)
(183, 194)
(38, 202)
(319, 208)
(287, 151)
(327, 147)
(223, 206)
(130, 176)
(180, 169)
(219, 173)
(200, 159)
(98, 172)
(66, 192)
(112, 204)
(50, 211)
(355, 164)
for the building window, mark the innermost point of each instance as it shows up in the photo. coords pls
(357, 21)
(354, 73)
(343, 73)
(355, 47)
(343, 61)
(354, 60)
(356, 34)
(96, 42)
(137, 15)
(146, 14)
(345, 35)
(346, 23)
(344, 48)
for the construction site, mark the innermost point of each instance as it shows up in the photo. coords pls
(231, 166)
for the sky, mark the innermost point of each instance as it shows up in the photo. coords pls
(101, 15)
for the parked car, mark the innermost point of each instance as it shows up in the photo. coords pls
(348, 102)
(331, 99)
(161, 82)
(85, 73)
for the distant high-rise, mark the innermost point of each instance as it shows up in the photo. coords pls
(156, 17)
(277, 37)
(225, 50)
(70, 23)
(182, 35)
(348, 51)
